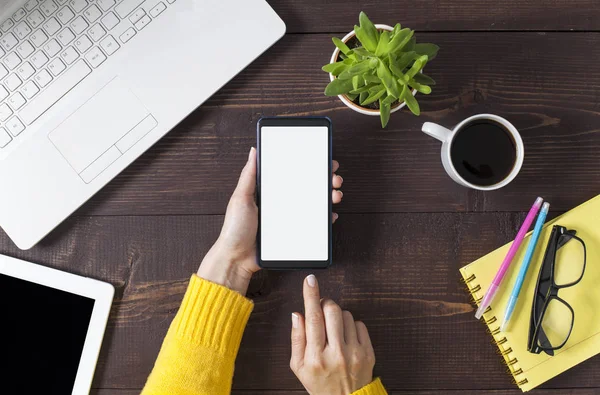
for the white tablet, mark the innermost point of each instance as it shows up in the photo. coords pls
(51, 328)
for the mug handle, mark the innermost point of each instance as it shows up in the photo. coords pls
(436, 131)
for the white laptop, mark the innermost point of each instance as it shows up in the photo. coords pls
(86, 86)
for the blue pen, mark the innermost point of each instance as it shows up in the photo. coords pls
(525, 265)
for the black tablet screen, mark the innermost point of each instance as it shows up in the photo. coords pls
(42, 333)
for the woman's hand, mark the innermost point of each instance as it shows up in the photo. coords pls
(232, 259)
(331, 353)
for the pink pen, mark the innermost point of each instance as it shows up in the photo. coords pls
(491, 292)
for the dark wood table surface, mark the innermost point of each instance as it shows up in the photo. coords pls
(405, 228)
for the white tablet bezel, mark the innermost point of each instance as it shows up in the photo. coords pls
(102, 293)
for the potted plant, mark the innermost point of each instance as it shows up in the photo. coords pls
(377, 69)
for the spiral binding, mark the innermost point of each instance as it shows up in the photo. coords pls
(504, 351)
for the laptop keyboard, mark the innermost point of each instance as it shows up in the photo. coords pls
(49, 46)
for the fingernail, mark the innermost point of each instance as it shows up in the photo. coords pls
(335, 216)
(295, 320)
(341, 179)
(250, 153)
(311, 280)
(341, 193)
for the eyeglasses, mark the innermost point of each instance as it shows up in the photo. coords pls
(552, 318)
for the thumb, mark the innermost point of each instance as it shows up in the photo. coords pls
(247, 183)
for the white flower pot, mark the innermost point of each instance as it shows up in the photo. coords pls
(350, 103)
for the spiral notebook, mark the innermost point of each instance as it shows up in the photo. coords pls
(530, 370)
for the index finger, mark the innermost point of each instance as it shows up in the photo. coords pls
(314, 321)
(335, 165)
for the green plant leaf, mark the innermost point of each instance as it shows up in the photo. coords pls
(424, 79)
(383, 45)
(395, 31)
(370, 78)
(338, 87)
(349, 61)
(342, 46)
(388, 81)
(389, 100)
(367, 41)
(376, 88)
(351, 96)
(420, 88)
(362, 52)
(356, 69)
(362, 89)
(410, 101)
(430, 50)
(335, 68)
(368, 27)
(373, 96)
(410, 46)
(401, 39)
(384, 110)
(406, 59)
(357, 81)
(363, 97)
(416, 67)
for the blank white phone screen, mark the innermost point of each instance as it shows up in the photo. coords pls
(294, 195)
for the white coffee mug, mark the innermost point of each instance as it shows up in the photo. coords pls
(446, 136)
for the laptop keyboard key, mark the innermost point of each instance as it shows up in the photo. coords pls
(30, 89)
(38, 38)
(126, 7)
(56, 67)
(83, 43)
(25, 71)
(78, 5)
(7, 25)
(109, 45)
(3, 93)
(137, 15)
(127, 35)
(22, 30)
(65, 15)
(52, 47)
(97, 32)
(142, 23)
(5, 112)
(39, 59)
(35, 19)
(12, 60)
(95, 57)
(110, 20)
(106, 4)
(48, 7)
(8, 42)
(4, 138)
(25, 49)
(65, 36)
(160, 7)
(20, 14)
(92, 14)
(13, 82)
(16, 101)
(79, 25)
(51, 26)
(30, 5)
(43, 78)
(3, 72)
(15, 126)
(69, 55)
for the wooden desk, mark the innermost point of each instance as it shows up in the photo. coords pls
(405, 227)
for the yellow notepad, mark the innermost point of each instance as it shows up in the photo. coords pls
(531, 370)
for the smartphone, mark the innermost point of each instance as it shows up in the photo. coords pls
(294, 192)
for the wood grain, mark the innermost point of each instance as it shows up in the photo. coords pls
(396, 272)
(316, 16)
(543, 83)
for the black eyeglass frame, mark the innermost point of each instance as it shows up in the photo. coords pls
(535, 326)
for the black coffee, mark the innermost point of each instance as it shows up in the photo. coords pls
(483, 152)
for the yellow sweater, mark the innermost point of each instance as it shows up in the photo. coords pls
(198, 354)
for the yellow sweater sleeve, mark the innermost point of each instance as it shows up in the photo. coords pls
(198, 354)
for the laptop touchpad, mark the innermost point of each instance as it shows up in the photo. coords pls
(102, 129)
